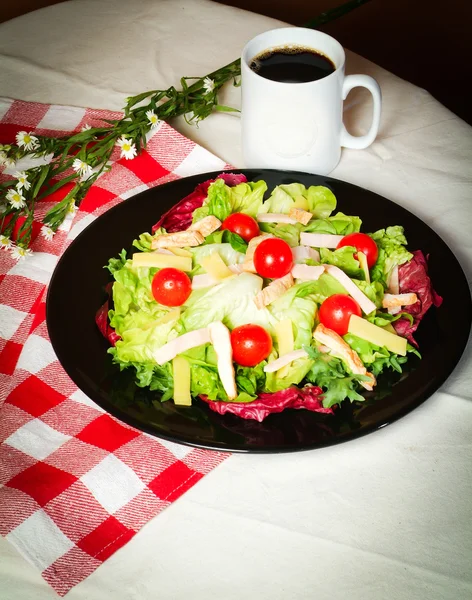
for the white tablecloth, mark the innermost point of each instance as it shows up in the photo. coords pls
(385, 516)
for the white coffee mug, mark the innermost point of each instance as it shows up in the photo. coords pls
(299, 126)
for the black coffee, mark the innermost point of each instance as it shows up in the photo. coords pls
(292, 64)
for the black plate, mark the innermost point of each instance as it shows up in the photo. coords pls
(77, 290)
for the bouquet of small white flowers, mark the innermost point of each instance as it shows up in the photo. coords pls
(87, 154)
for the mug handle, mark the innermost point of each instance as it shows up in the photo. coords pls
(362, 141)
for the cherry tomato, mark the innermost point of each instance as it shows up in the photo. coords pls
(273, 258)
(251, 344)
(363, 243)
(242, 224)
(336, 311)
(171, 287)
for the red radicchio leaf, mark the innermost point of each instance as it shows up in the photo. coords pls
(179, 217)
(413, 277)
(308, 397)
(101, 319)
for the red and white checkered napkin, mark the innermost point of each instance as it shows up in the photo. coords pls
(75, 483)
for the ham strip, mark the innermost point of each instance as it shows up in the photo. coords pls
(351, 288)
(192, 339)
(320, 240)
(307, 272)
(336, 344)
(221, 340)
(284, 360)
(276, 218)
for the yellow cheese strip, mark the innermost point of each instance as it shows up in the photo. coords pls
(377, 335)
(181, 252)
(172, 315)
(215, 266)
(284, 336)
(362, 258)
(181, 372)
(155, 259)
(285, 342)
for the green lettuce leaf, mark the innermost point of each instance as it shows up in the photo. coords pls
(293, 374)
(144, 241)
(224, 236)
(223, 200)
(231, 301)
(301, 310)
(138, 344)
(375, 358)
(205, 379)
(115, 264)
(320, 226)
(338, 224)
(286, 232)
(132, 287)
(319, 200)
(250, 380)
(391, 243)
(248, 198)
(344, 259)
(320, 289)
(381, 319)
(329, 373)
(282, 198)
(149, 375)
(229, 255)
(218, 199)
(373, 290)
(336, 391)
(345, 224)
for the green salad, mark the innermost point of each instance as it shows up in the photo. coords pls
(255, 300)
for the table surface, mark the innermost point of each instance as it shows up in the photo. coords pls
(385, 516)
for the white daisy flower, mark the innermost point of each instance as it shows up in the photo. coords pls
(152, 118)
(86, 127)
(47, 233)
(6, 161)
(23, 182)
(208, 85)
(20, 253)
(16, 198)
(5, 242)
(72, 208)
(82, 168)
(192, 118)
(128, 148)
(27, 140)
